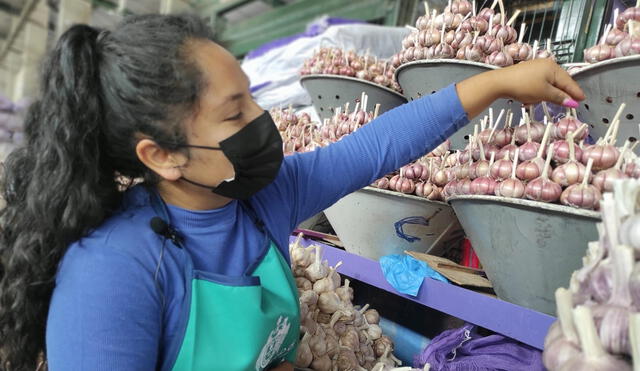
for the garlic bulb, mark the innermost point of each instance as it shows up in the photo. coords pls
(316, 270)
(593, 356)
(345, 292)
(336, 336)
(612, 317)
(328, 283)
(322, 363)
(542, 188)
(565, 345)
(572, 171)
(372, 316)
(304, 357)
(582, 194)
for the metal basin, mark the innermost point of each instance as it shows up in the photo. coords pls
(422, 78)
(607, 84)
(527, 248)
(373, 223)
(330, 91)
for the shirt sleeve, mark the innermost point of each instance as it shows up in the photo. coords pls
(105, 313)
(318, 179)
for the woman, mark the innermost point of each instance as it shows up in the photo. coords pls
(189, 270)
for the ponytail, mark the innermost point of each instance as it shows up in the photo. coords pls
(79, 135)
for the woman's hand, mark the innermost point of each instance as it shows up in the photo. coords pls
(527, 82)
(284, 366)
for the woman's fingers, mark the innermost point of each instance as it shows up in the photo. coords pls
(563, 81)
(559, 97)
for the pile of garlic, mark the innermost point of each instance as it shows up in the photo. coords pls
(336, 335)
(602, 331)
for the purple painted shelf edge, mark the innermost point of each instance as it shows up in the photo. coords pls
(519, 323)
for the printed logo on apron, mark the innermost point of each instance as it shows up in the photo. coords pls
(272, 348)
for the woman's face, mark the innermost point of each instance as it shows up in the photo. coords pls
(225, 107)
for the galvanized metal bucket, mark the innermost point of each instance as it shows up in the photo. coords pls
(422, 78)
(330, 91)
(372, 223)
(607, 84)
(527, 248)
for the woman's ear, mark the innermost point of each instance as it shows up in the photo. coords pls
(164, 163)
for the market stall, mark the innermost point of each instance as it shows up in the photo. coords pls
(511, 244)
(529, 187)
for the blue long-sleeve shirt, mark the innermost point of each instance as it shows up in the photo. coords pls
(116, 303)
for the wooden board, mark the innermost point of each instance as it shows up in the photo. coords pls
(456, 273)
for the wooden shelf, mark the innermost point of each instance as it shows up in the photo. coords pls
(522, 324)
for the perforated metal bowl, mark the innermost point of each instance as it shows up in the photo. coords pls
(426, 77)
(607, 84)
(373, 222)
(527, 248)
(330, 91)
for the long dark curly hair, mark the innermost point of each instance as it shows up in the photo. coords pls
(101, 91)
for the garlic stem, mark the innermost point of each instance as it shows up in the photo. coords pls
(545, 171)
(495, 2)
(591, 346)
(572, 147)
(610, 218)
(482, 155)
(364, 104)
(623, 266)
(515, 164)
(491, 117)
(544, 137)
(578, 131)
(502, 13)
(587, 173)
(523, 26)
(622, 153)
(426, 8)
(616, 118)
(493, 157)
(564, 305)
(605, 34)
(376, 111)
(634, 337)
(493, 129)
(297, 243)
(513, 17)
(545, 108)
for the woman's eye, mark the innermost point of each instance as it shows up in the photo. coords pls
(233, 118)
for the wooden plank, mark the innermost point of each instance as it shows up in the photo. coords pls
(72, 12)
(516, 322)
(17, 27)
(40, 14)
(5, 24)
(139, 6)
(175, 7)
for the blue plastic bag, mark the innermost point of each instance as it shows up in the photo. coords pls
(406, 273)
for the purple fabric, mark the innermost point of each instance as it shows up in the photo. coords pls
(314, 29)
(464, 349)
(5, 104)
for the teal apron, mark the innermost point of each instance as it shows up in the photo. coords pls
(236, 323)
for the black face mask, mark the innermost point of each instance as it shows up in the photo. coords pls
(256, 155)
